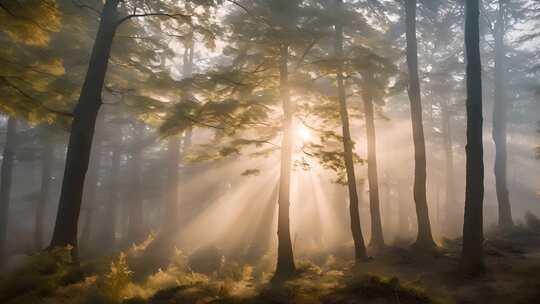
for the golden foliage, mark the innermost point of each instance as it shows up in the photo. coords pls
(30, 22)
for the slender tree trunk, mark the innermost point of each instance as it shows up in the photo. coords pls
(472, 260)
(82, 132)
(285, 259)
(377, 239)
(136, 229)
(47, 159)
(500, 109)
(450, 222)
(8, 159)
(424, 238)
(356, 229)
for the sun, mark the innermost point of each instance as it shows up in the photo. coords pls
(303, 133)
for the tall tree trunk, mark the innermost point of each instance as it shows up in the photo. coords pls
(377, 239)
(356, 229)
(47, 159)
(499, 123)
(91, 186)
(285, 259)
(472, 252)
(450, 221)
(424, 238)
(136, 229)
(8, 159)
(82, 132)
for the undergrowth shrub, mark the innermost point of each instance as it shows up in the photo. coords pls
(40, 276)
(113, 283)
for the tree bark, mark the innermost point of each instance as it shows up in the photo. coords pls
(285, 259)
(472, 252)
(47, 159)
(82, 131)
(377, 239)
(8, 159)
(356, 229)
(424, 237)
(500, 109)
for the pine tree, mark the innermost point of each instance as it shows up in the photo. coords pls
(424, 237)
(8, 160)
(472, 260)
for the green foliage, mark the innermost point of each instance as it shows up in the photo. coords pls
(30, 22)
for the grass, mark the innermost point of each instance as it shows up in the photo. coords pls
(396, 275)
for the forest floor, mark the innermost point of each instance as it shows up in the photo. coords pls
(395, 275)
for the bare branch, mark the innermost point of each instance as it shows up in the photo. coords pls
(86, 6)
(173, 16)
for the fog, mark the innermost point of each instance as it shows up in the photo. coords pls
(186, 138)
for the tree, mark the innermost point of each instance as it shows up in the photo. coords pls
(285, 260)
(285, 265)
(356, 229)
(377, 239)
(472, 261)
(500, 109)
(82, 132)
(424, 237)
(8, 159)
(86, 112)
